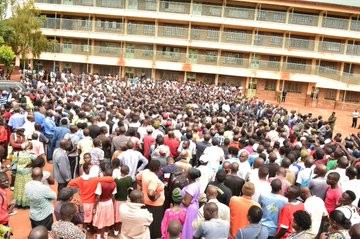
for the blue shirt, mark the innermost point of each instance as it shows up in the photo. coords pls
(271, 204)
(39, 118)
(213, 229)
(40, 197)
(49, 126)
(16, 120)
(59, 135)
(253, 231)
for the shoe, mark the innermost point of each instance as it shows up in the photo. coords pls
(12, 188)
(50, 161)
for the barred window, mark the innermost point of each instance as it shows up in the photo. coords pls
(270, 85)
(294, 87)
(330, 94)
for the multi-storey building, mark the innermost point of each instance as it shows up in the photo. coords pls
(309, 48)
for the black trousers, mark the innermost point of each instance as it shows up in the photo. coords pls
(354, 122)
(47, 222)
(74, 166)
(155, 226)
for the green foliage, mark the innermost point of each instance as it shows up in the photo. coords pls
(4, 6)
(7, 57)
(27, 37)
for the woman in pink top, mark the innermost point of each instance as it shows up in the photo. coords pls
(174, 213)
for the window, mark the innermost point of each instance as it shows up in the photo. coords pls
(330, 95)
(236, 36)
(299, 43)
(215, 11)
(303, 19)
(211, 56)
(294, 87)
(149, 29)
(276, 40)
(242, 13)
(353, 49)
(173, 31)
(233, 58)
(258, 39)
(270, 85)
(148, 52)
(331, 46)
(352, 97)
(213, 34)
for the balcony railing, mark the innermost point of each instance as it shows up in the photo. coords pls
(175, 7)
(334, 22)
(303, 19)
(206, 35)
(333, 47)
(216, 11)
(110, 3)
(173, 32)
(207, 59)
(240, 13)
(210, 35)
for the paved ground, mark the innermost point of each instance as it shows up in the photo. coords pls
(20, 223)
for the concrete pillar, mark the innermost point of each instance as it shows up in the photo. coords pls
(216, 79)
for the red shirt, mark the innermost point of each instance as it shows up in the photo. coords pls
(332, 197)
(4, 215)
(286, 216)
(87, 187)
(173, 145)
(148, 141)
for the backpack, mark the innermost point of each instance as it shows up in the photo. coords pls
(177, 180)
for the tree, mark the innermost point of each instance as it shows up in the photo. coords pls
(7, 57)
(4, 7)
(27, 38)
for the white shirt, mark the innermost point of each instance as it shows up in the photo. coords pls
(244, 170)
(355, 114)
(304, 175)
(215, 155)
(315, 206)
(206, 175)
(223, 213)
(352, 185)
(261, 187)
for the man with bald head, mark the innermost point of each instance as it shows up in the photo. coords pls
(281, 174)
(223, 210)
(354, 231)
(341, 166)
(61, 165)
(254, 173)
(315, 206)
(40, 198)
(317, 184)
(233, 181)
(39, 232)
(135, 220)
(213, 227)
(352, 184)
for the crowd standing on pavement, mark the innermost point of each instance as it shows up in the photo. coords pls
(161, 159)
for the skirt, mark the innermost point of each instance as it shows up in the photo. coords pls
(117, 210)
(19, 189)
(155, 226)
(88, 212)
(104, 216)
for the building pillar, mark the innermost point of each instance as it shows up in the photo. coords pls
(216, 79)
(153, 73)
(122, 76)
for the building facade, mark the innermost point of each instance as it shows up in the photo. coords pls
(310, 49)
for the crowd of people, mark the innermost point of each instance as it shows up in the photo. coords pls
(159, 159)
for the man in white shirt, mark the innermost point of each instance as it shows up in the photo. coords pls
(215, 154)
(355, 116)
(223, 210)
(315, 206)
(352, 184)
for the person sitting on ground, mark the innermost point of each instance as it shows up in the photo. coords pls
(64, 228)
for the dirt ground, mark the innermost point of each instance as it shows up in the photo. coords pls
(20, 222)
